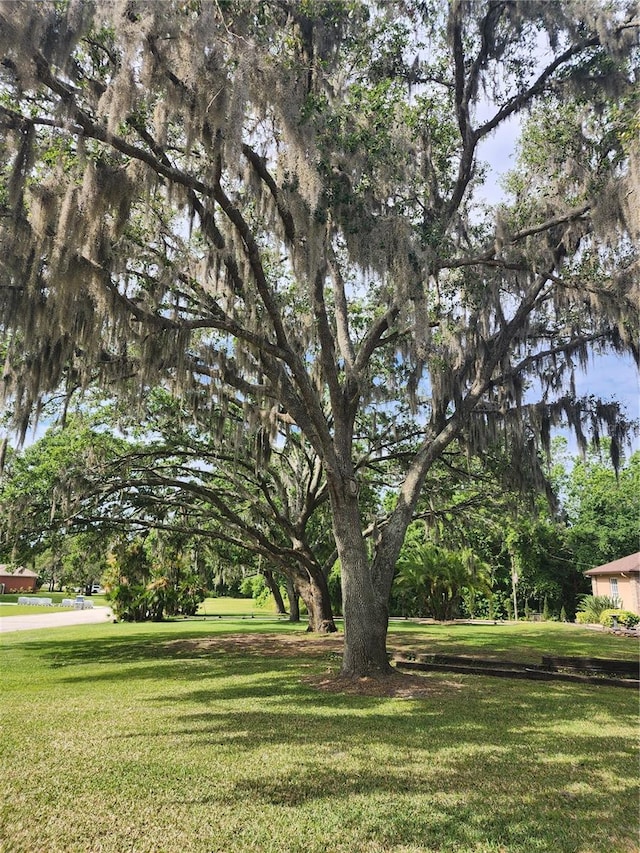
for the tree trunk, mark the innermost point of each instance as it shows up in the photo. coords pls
(365, 637)
(313, 589)
(274, 589)
(294, 600)
(366, 615)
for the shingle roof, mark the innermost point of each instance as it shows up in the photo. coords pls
(21, 572)
(625, 565)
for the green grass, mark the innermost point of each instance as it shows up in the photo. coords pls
(56, 597)
(523, 641)
(234, 607)
(166, 737)
(29, 609)
(10, 607)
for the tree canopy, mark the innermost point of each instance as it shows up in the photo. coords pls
(277, 208)
(603, 508)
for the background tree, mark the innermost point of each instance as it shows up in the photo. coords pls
(152, 578)
(84, 560)
(603, 509)
(200, 474)
(282, 203)
(537, 547)
(165, 473)
(431, 580)
(36, 489)
(126, 579)
(505, 520)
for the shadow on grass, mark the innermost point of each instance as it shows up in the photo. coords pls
(480, 774)
(516, 641)
(474, 716)
(527, 766)
(126, 643)
(457, 805)
(111, 662)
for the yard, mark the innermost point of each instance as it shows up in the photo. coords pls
(9, 603)
(221, 736)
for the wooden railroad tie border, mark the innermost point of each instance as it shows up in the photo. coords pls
(551, 669)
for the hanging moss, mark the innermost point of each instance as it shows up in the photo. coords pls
(259, 204)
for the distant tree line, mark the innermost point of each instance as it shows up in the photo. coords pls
(91, 503)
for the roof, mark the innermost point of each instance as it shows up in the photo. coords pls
(623, 566)
(20, 572)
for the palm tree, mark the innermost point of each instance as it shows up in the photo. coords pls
(430, 580)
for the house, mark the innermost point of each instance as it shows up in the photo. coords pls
(17, 580)
(619, 580)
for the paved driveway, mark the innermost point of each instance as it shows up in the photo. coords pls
(54, 620)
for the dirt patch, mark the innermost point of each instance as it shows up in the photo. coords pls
(398, 685)
(262, 645)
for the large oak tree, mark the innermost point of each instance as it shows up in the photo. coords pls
(281, 203)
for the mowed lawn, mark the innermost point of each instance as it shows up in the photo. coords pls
(220, 737)
(10, 607)
(30, 610)
(212, 607)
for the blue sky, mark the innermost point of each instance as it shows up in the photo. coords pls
(614, 377)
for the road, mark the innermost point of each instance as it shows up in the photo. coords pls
(54, 620)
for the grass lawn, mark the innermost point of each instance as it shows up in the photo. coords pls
(224, 737)
(212, 607)
(235, 607)
(56, 597)
(29, 609)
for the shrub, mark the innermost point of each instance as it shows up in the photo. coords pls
(546, 613)
(591, 608)
(625, 618)
(485, 605)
